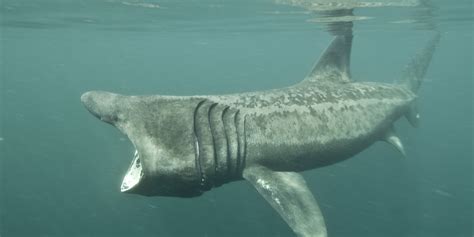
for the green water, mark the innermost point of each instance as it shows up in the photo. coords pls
(61, 168)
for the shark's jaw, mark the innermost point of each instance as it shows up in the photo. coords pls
(134, 174)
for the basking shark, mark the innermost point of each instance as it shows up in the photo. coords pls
(187, 145)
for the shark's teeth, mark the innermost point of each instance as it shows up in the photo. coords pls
(133, 175)
(392, 138)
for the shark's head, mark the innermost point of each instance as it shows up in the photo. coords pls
(161, 129)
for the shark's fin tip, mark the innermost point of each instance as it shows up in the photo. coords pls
(392, 138)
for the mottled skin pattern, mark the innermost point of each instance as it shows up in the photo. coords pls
(292, 129)
(186, 145)
(305, 127)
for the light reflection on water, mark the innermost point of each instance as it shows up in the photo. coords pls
(231, 15)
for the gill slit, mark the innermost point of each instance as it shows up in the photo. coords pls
(245, 145)
(196, 146)
(212, 136)
(237, 162)
(228, 158)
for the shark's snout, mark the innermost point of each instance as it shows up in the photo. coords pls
(88, 101)
(101, 104)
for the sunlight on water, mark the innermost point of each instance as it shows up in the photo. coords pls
(250, 15)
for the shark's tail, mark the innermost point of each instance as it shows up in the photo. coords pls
(414, 72)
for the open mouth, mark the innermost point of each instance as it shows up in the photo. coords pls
(133, 175)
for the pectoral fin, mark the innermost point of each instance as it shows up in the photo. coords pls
(288, 194)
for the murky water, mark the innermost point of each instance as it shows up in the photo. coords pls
(61, 169)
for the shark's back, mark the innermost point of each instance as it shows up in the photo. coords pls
(297, 125)
(327, 117)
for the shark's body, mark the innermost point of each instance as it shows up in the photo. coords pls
(187, 145)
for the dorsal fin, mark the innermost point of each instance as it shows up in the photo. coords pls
(334, 64)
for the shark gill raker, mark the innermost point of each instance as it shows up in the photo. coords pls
(186, 145)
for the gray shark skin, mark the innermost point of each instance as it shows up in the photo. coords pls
(186, 145)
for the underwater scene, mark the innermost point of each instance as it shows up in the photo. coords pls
(216, 118)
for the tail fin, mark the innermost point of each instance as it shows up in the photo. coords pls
(414, 72)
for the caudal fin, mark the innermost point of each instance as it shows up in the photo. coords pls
(415, 71)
